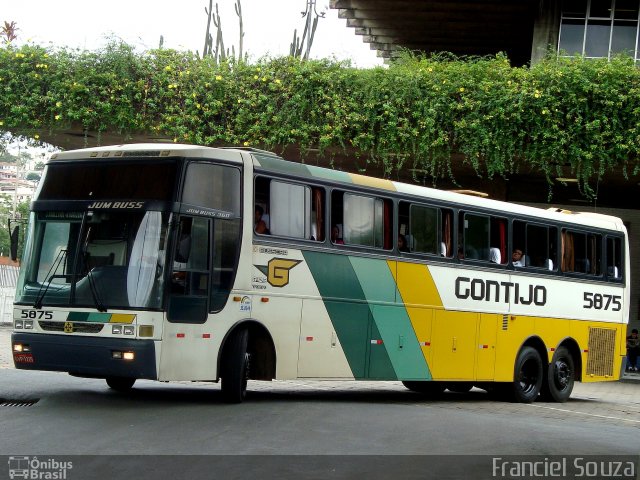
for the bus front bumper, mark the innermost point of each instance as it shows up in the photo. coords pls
(85, 356)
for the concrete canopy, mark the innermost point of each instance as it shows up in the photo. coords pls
(464, 27)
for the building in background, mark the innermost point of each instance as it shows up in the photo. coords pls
(524, 29)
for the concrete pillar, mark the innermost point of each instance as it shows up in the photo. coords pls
(546, 29)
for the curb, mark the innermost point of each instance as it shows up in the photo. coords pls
(630, 378)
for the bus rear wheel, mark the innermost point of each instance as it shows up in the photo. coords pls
(430, 388)
(560, 377)
(120, 384)
(235, 368)
(528, 375)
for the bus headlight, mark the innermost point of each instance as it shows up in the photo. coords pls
(129, 330)
(19, 324)
(28, 324)
(118, 355)
(116, 329)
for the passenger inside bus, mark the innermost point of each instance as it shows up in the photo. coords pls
(402, 243)
(494, 255)
(517, 258)
(260, 225)
(335, 235)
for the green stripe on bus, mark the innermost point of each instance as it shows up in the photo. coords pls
(333, 175)
(278, 165)
(99, 317)
(344, 301)
(392, 321)
(89, 317)
(77, 316)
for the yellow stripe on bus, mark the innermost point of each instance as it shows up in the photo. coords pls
(122, 318)
(420, 296)
(372, 182)
(415, 284)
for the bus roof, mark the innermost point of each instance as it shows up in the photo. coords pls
(271, 162)
(161, 150)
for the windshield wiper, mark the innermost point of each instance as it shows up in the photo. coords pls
(94, 292)
(62, 255)
(92, 284)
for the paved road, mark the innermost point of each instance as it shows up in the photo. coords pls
(82, 416)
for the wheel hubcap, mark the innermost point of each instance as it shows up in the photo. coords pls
(247, 364)
(528, 377)
(561, 374)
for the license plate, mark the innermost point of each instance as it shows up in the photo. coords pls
(23, 357)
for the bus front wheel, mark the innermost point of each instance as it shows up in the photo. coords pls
(120, 384)
(560, 377)
(235, 368)
(528, 375)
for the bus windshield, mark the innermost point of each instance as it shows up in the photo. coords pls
(106, 259)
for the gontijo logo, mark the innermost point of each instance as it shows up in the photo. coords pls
(278, 275)
(277, 270)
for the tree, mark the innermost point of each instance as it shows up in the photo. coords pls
(8, 31)
(22, 215)
(219, 53)
(298, 45)
(33, 177)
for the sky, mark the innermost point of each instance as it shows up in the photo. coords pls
(268, 25)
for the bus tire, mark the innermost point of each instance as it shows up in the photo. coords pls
(235, 368)
(528, 375)
(120, 384)
(430, 388)
(560, 377)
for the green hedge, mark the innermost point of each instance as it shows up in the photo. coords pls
(414, 114)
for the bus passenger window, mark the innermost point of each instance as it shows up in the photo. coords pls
(366, 221)
(475, 229)
(289, 210)
(537, 243)
(541, 246)
(446, 244)
(614, 258)
(581, 252)
(424, 229)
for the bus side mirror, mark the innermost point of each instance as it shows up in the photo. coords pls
(14, 236)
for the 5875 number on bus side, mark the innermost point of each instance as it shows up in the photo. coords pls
(599, 301)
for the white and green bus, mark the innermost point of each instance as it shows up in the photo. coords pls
(144, 262)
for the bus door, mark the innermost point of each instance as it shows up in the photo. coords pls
(187, 351)
(203, 266)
